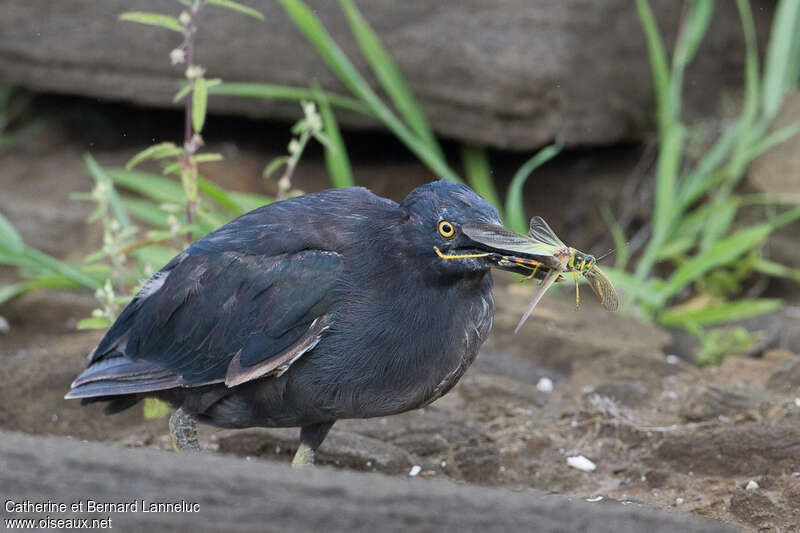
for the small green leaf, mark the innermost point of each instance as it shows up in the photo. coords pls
(199, 100)
(95, 322)
(274, 165)
(157, 151)
(10, 239)
(207, 158)
(153, 19)
(236, 6)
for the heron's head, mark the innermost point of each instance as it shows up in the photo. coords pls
(436, 213)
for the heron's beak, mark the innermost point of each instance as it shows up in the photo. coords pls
(491, 253)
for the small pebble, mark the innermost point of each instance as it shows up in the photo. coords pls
(416, 469)
(595, 499)
(581, 463)
(751, 485)
(673, 359)
(444, 464)
(797, 402)
(545, 385)
(678, 501)
(5, 327)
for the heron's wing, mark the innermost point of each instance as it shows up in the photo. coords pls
(504, 239)
(227, 316)
(540, 231)
(603, 288)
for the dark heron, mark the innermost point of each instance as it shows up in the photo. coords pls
(339, 304)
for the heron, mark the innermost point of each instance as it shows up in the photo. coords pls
(333, 305)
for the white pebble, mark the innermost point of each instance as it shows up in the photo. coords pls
(416, 469)
(678, 501)
(797, 402)
(673, 359)
(751, 485)
(595, 499)
(545, 385)
(581, 463)
(5, 327)
(444, 464)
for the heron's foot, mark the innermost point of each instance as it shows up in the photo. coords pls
(183, 432)
(304, 456)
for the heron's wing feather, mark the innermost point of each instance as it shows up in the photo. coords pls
(540, 231)
(230, 317)
(504, 239)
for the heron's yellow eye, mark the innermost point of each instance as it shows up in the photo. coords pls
(446, 229)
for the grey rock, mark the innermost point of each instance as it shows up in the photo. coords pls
(712, 401)
(786, 378)
(509, 73)
(258, 495)
(628, 393)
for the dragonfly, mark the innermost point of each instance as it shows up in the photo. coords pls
(548, 252)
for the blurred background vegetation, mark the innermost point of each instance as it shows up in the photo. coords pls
(692, 240)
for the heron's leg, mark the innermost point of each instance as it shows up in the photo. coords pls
(183, 432)
(311, 438)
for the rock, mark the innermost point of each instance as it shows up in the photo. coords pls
(786, 378)
(340, 447)
(509, 74)
(628, 393)
(745, 449)
(256, 495)
(708, 402)
(753, 507)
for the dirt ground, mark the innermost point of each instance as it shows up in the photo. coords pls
(721, 442)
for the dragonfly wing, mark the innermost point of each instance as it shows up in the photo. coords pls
(548, 280)
(504, 239)
(540, 231)
(603, 289)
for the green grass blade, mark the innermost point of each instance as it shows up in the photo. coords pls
(219, 195)
(336, 159)
(148, 185)
(515, 207)
(282, 92)
(622, 251)
(479, 174)
(153, 19)
(725, 252)
(719, 222)
(658, 59)
(311, 27)
(689, 39)
(779, 69)
(146, 211)
(249, 201)
(45, 282)
(389, 76)
(704, 176)
(54, 266)
(720, 314)
(773, 139)
(747, 122)
(10, 239)
(236, 6)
